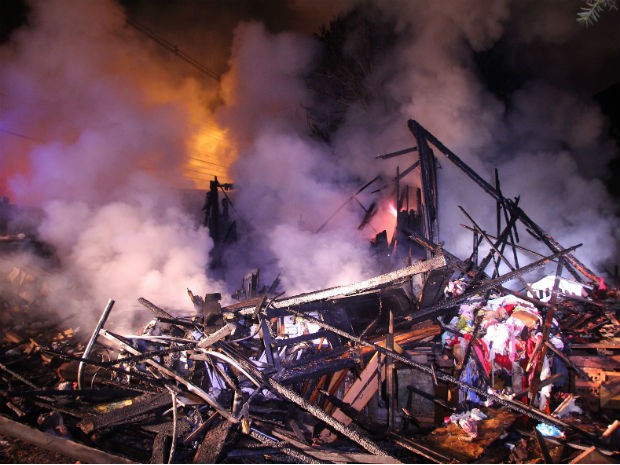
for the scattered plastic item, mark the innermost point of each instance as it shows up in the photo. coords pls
(468, 421)
(550, 430)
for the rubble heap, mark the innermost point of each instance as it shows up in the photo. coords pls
(437, 361)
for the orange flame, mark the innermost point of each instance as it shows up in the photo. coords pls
(210, 153)
(384, 219)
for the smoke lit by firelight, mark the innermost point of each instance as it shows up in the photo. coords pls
(107, 132)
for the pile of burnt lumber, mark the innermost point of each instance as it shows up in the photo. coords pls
(345, 374)
(444, 360)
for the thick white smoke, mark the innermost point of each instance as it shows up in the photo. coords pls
(547, 143)
(109, 120)
(288, 184)
(111, 125)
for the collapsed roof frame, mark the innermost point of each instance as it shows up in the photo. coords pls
(508, 207)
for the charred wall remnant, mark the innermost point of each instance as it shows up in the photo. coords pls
(459, 368)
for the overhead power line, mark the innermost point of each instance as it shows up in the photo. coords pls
(174, 49)
(17, 134)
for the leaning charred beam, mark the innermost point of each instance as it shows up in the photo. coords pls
(487, 285)
(282, 446)
(58, 444)
(376, 283)
(158, 312)
(317, 412)
(91, 342)
(429, 184)
(327, 361)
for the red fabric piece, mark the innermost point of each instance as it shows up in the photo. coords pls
(509, 308)
(482, 351)
(503, 361)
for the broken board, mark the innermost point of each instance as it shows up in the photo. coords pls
(453, 441)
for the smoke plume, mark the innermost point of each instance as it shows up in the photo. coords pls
(110, 121)
(109, 127)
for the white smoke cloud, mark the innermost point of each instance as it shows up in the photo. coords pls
(287, 184)
(432, 77)
(111, 126)
(110, 121)
(123, 251)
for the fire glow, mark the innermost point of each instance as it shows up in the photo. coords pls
(210, 153)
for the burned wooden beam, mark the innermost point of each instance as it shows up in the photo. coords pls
(397, 153)
(317, 412)
(212, 445)
(58, 444)
(136, 409)
(423, 449)
(93, 339)
(327, 455)
(429, 183)
(158, 312)
(329, 361)
(373, 284)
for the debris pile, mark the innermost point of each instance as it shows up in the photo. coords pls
(435, 361)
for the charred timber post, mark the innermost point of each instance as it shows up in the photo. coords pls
(546, 238)
(504, 208)
(389, 375)
(378, 282)
(429, 182)
(93, 339)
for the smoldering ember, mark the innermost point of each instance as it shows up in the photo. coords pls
(434, 361)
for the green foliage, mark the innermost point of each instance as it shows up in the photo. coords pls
(590, 13)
